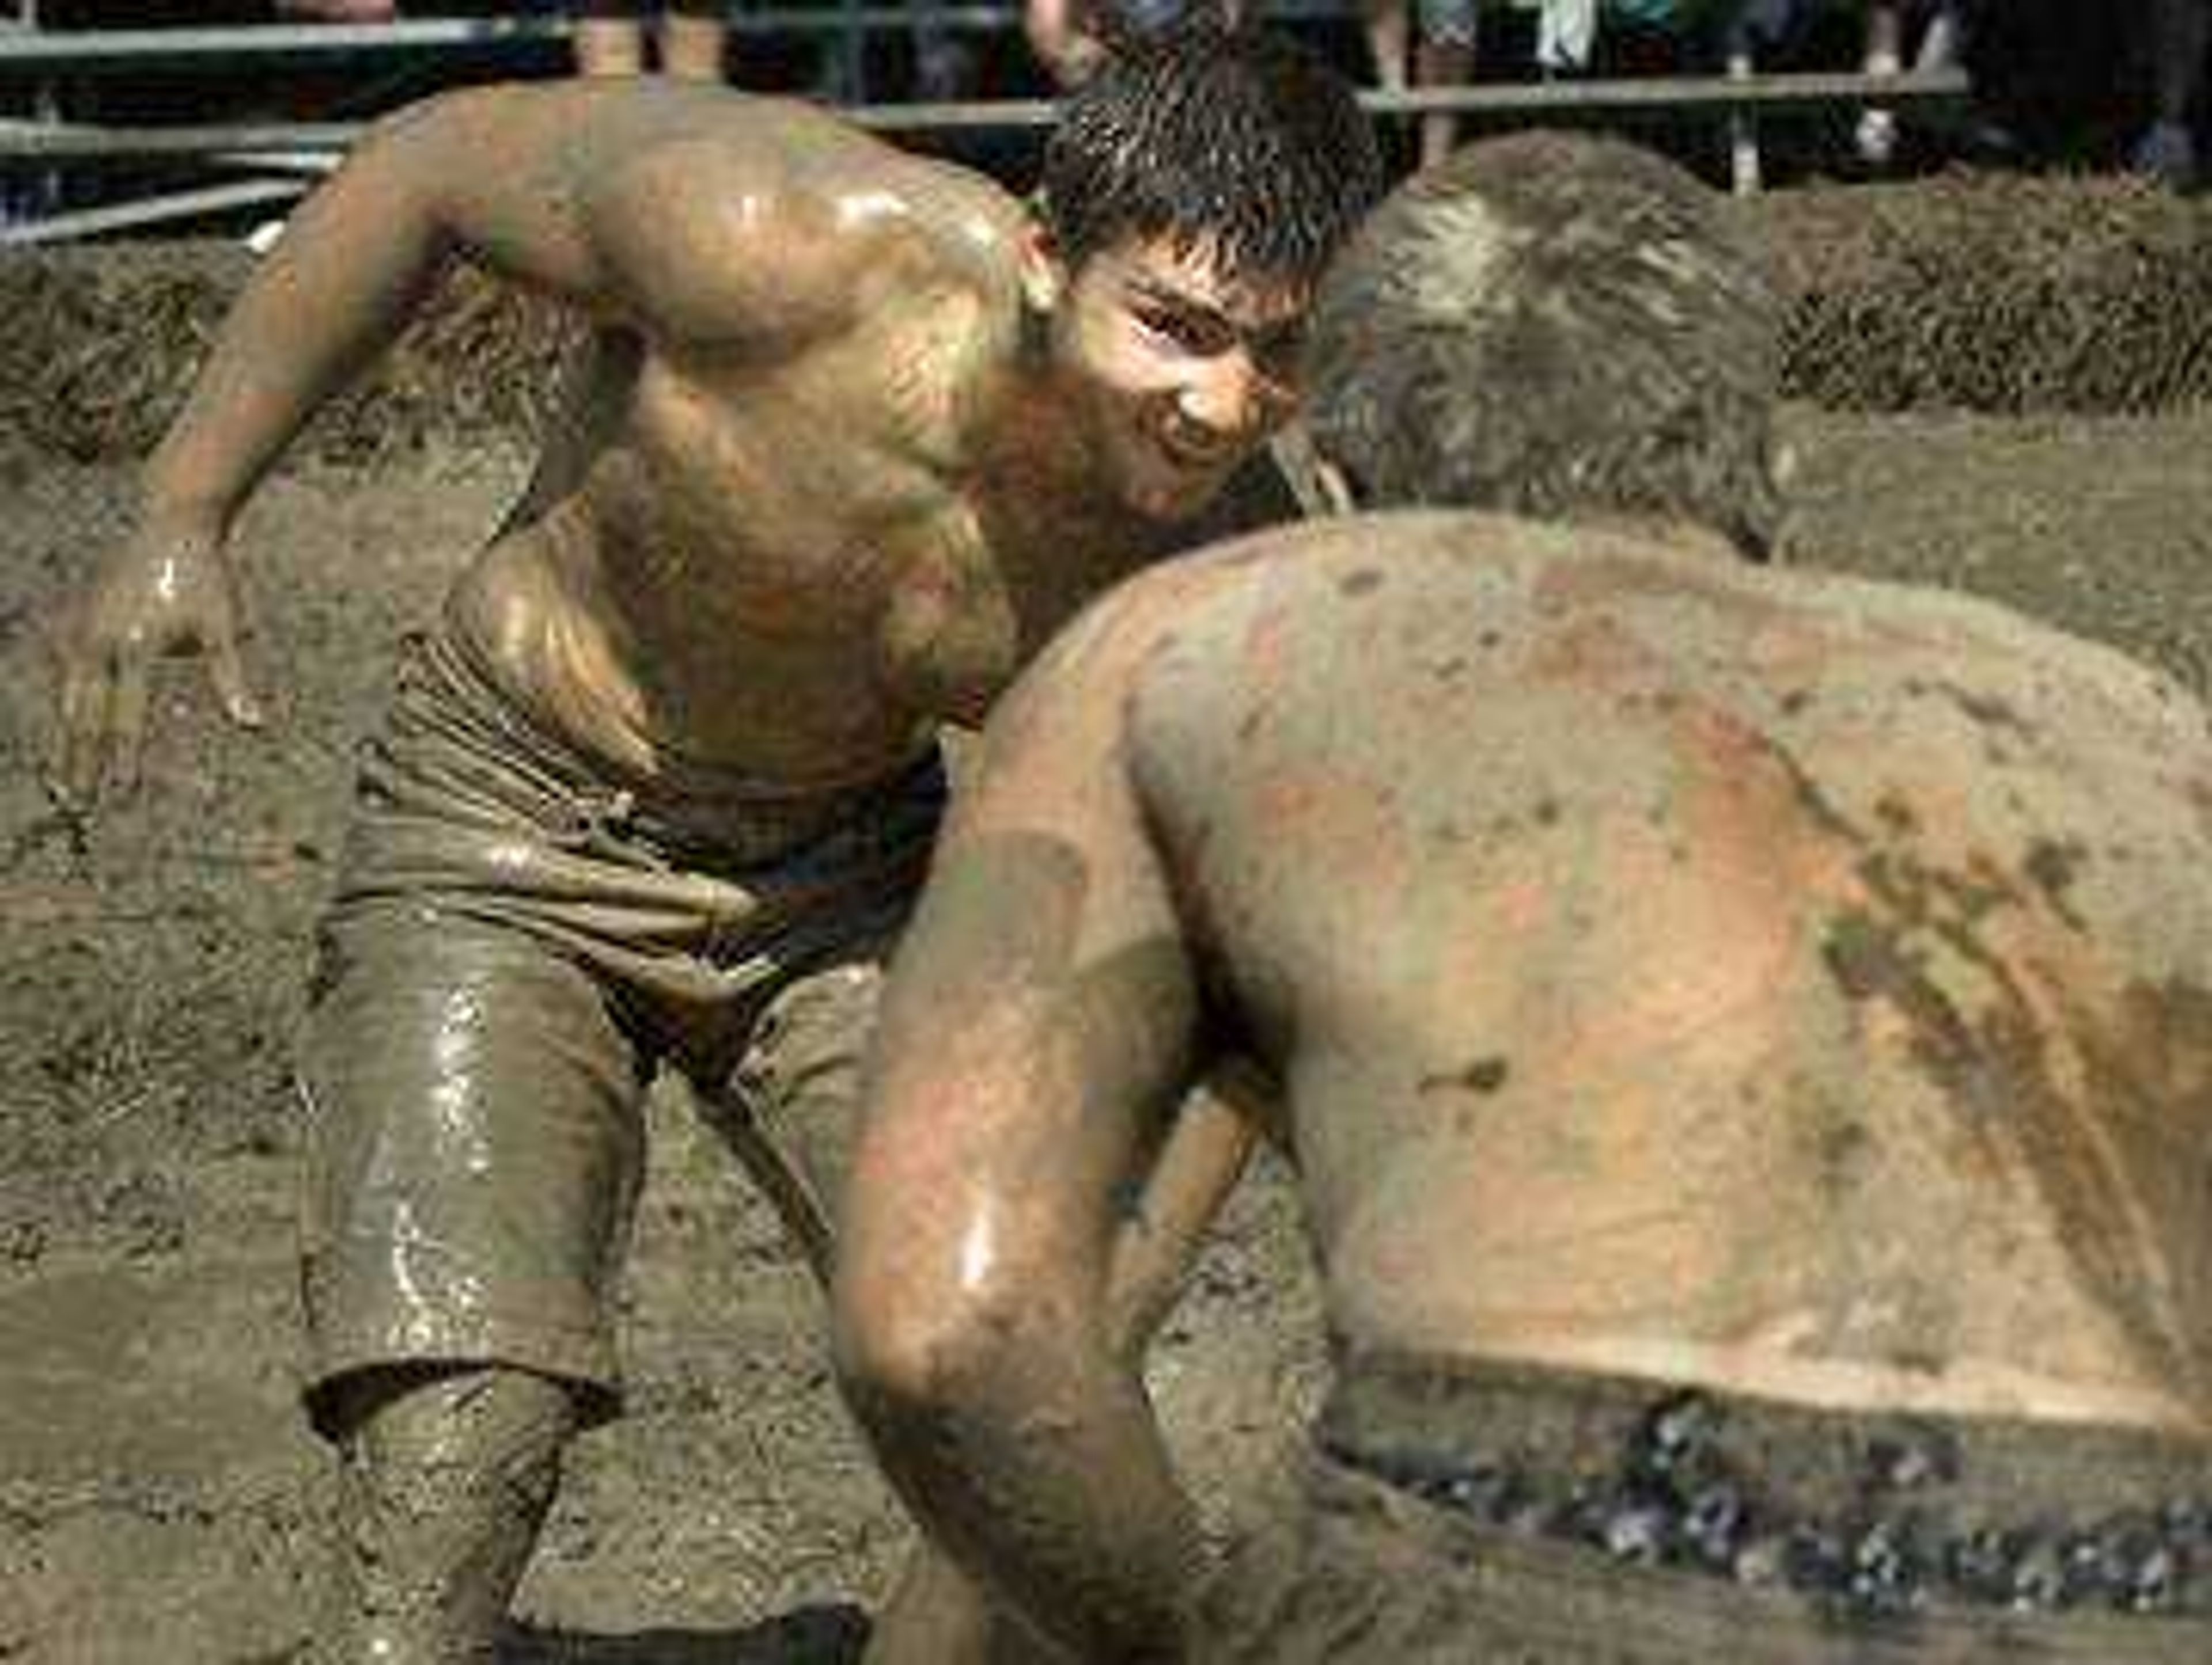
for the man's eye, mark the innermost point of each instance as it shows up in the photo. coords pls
(1191, 334)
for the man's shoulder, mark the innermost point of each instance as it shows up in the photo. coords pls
(739, 212)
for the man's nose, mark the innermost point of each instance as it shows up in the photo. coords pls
(1234, 398)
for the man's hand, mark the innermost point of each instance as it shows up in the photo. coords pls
(161, 593)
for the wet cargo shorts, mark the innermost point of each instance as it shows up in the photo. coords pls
(1523, 1517)
(514, 948)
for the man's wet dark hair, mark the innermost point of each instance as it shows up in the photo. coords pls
(1236, 139)
(1552, 325)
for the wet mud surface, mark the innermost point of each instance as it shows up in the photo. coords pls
(161, 1499)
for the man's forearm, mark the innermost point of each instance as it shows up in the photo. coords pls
(1043, 1470)
(353, 264)
(1205, 1155)
(939, 1613)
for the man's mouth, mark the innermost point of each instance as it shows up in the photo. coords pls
(1198, 459)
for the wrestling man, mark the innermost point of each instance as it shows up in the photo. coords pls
(1744, 1037)
(859, 431)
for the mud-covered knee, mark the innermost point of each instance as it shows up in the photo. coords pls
(432, 1464)
(445, 1479)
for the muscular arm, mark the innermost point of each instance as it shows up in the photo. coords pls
(713, 223)
(689, 216)
(1039, 1031)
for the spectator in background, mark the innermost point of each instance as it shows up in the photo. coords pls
(1876, 135)
(1065, 37)
(2167, 150)
(1566, 34)
(1072, 38)
(945, 65)
(1442, 56)
(611, 37)
(1639, 37)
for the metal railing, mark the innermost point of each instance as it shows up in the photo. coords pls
(279, 154)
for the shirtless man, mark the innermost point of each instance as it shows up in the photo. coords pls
(1745, 1036)
(858, 432)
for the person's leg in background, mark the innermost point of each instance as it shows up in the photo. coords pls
(609, 38)
(1065, 38)
(1444, 56)
(1875, 137)
(1749, 34)
(946, 66)
(1389, 24)
(2179, 31)
(1566, 33)
(694, 38)
(1940, 49)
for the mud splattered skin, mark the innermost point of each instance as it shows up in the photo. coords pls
(1752, 978)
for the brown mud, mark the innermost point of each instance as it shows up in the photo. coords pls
(160, 1500)
(1986, 292)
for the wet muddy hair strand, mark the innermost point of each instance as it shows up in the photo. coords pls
(1236, 140)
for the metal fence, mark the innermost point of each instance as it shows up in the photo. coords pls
(251, 163)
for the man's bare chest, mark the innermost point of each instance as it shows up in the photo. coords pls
(833, 510)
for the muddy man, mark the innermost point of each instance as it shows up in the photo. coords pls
(1746, 1034)
(858, 430)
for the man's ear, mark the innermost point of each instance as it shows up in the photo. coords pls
(1043, 271)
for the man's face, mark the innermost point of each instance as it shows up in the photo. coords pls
(1184, 373)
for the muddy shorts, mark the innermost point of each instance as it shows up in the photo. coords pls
(515, 946)
(1535, 1518)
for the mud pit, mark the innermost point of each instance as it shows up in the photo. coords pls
(159, 1497)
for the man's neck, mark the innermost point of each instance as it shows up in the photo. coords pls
(1038, 438)
(1042, 462)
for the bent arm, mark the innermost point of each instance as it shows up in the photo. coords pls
(1039, 1028)
(356, 260)
(667, 211)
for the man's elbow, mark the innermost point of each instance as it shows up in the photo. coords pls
(896, 1347)
(906, 1353)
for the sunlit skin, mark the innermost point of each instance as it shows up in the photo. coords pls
(1672, 969)
(852, 441)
